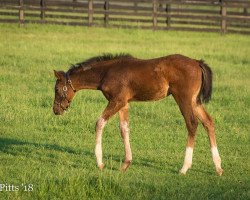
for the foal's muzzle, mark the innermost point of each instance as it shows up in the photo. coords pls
(59, 109)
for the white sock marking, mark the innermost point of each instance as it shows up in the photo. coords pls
(216, 157)
(124, 127)
(125, 135)
(188, 160)
(98, 148)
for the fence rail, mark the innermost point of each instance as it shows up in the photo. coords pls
(225, 16)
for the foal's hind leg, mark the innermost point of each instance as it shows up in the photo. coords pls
(208, 124)
(186, 108)
(192, 124)
(123, 113)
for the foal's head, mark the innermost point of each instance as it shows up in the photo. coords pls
(64, 93)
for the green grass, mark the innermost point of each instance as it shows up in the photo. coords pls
(56, 154)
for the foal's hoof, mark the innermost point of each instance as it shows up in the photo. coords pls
(219, 171)
(182, 173)
(184, 170)
(101, 166)
(125, 165)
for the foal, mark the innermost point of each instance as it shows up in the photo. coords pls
(123, 78)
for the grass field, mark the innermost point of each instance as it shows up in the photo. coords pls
(56, 154)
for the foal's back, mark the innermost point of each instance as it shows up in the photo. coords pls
(146, 80)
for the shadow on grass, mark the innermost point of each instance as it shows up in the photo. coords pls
(7, 143)
(6, 146)
(156, 165)
(146, 163)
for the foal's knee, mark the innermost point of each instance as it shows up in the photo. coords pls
(100, 124)
(124, 128)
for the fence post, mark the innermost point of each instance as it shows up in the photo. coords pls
(106, 15)
(90, 12)
(245, 13)
(74, 1)
(223, 17)
(168, 11)
(154, 14)
(21, 13)
(42, 15)
(136, 6)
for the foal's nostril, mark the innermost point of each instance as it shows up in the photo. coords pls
(56, 112)
(67, 106)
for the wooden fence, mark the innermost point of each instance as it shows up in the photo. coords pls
(225, 16)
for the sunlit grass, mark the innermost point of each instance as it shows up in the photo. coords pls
(55, 154)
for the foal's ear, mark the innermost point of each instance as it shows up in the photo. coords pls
(59, 74)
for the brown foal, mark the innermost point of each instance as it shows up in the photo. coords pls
(123, 78)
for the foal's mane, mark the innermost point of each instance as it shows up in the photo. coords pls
(104, 57)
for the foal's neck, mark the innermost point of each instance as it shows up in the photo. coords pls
(89, 78)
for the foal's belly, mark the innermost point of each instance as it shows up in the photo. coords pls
(148, 84)
(150, 93)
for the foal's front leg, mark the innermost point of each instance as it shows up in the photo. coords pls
(112, 108)
(123, 113)
(98, 148)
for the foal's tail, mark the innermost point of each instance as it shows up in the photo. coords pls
(206, 88)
